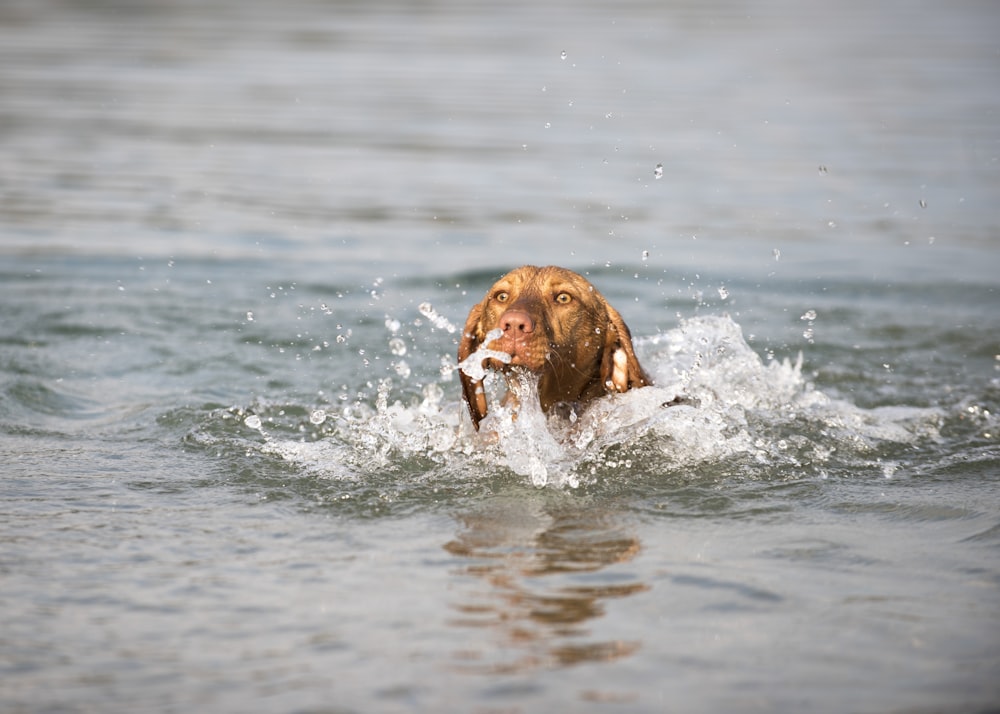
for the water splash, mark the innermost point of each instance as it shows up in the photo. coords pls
(735, 412)
(472, 366)
(521, 438)
(436, 319)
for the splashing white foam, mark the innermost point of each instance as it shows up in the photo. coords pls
(524, 442)
(736, 407)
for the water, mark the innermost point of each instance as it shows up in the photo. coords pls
(236, 241)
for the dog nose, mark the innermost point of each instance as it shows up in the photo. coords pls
(517, 321)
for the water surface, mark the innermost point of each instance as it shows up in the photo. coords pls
(235, 242)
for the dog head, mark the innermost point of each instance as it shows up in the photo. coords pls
(557, 325)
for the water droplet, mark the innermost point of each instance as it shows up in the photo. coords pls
(397, 346)
(252, 421)
(317, 417)
(658, 171)
(402, 369)
(923, 203)
(822, 169)
(723, 292)
(548, 125)
(439, 321)
(249, 316)
(645, 255)
(808, 315)
(562, 55)
(777, 255)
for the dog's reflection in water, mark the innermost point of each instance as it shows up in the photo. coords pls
(548, 571)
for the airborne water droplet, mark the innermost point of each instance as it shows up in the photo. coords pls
(658, 171)
(252, 421)
(317, 417)
(397, 346)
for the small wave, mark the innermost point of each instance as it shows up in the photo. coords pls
(738, 412)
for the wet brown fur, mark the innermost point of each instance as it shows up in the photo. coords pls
(577, 344)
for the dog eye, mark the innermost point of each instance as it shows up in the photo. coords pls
(564, 298)
(501, 296)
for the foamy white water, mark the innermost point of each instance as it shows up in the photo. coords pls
(734, 407)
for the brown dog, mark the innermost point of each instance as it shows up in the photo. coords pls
(554, 324)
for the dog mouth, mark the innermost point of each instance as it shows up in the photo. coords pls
(523, 355)
(519, 362)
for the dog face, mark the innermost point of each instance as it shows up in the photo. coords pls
(555, 324)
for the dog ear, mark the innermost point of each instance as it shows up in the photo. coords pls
(620, 368)
(472, 389)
